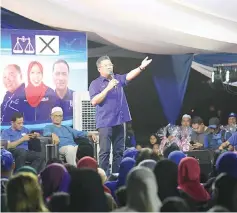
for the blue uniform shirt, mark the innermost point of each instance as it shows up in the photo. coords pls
(213, 141)
(14, 135)
(66, 134)
(13, 102)
(42, 112)
(66, 104)
(114, 109)
(233, 139)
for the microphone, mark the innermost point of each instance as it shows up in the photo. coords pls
(112, 76)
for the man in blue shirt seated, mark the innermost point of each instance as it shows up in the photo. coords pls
(215, 136)
(231, 144)
(18, 137)
(64, 136)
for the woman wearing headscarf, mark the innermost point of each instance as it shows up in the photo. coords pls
(166, 173)
(87, 162)
(54, 178)
(40, 97)
(24, 194)
(27, 169)
(174, 204)
(224, 191)
(176, 156)
(149, 163)
(126, 165)
(141, 191)
(189, 182)
(91, 163)
(227, 163)
(86, 192)
(213, 174)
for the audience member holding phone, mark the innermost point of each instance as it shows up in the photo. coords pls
(18, 138)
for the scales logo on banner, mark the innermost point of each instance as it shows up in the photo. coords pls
(35, 45)
(40, 70)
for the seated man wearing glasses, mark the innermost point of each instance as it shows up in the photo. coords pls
(64, 136)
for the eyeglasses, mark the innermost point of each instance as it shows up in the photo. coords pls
(107, 65)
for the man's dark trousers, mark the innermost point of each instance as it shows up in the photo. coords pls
(116, 136)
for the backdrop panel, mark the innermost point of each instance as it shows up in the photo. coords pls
(40, 70)
(170, 75)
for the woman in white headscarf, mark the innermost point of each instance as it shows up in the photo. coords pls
(141, 191)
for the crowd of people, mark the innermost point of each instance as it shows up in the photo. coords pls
(148, 179)
(145, 182)
(158, 177)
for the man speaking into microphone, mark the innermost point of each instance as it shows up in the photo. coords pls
(106, 93)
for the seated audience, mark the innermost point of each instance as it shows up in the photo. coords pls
(87, 162)
(24, 194)
(174, 204)
(91, 163)
(83, 150)
(198, 133)
(153, 140)
(59, 202)
(146, 153)
(28, 169)
(230, 144)
(227, 163)
(172, 147)
(125, 166)
(149, 163)
(86, 192)
(166, 173)
(64, 136)
(130, 140)
(18, 137)
(224, 190)
(138, 147)
(102, 175)
(54, 178)
(176, 156)
(141, 192)
(189, 184)
(121, 196)
(54, 160)
(130, 152)
(214, 173)
(70, 168)
(218, 209)
(214, 136)
(7, 168)
(156, 149)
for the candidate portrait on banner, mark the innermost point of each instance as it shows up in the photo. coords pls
(40, 70)
(14, 98)
(39, 96)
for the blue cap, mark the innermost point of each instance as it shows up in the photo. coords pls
(7, 160)
(232, 114)
(214, 123)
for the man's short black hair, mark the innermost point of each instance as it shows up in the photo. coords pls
(16, 115)
(63, 62)
(197, 120)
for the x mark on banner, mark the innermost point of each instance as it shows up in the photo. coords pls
(47, 45)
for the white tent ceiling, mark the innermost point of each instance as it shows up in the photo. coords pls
(145, 26)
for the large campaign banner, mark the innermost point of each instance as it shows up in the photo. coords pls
(40, 70)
